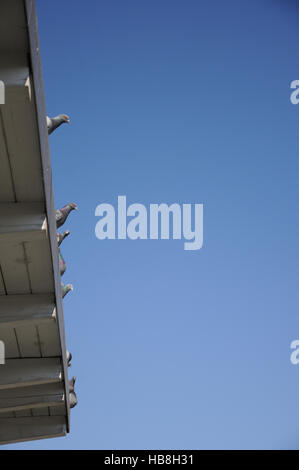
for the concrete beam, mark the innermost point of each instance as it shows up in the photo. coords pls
(9, 405)
(17, 373)
(36, 390)
(23, 310)
(22, 222)
(17, 95)
(23, 429)
(14, 68)
(26, 398)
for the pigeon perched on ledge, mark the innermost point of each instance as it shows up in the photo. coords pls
(72, 384)
(63, 213)
(62, 236)
(65, 289)
(62, 263)
(72, 394)
(69, 358)
(53, 123)
(73, 400)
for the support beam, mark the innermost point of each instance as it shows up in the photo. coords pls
(23, 429)
(8, 405)
(36, 390)
(29, 372)
(14, 68)
(17, 95)
(26, 398)
(22, 222)
(25, 310)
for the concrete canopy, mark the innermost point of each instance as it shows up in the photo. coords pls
(34, 401)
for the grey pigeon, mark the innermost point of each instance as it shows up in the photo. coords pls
(72, 384)
(66, 289)
(63, 213)
(72, 393)
(69, 358)
(62, 263)
(62, 236)
(53, 123)
(73, 400)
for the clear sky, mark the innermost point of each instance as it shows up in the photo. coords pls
(187, 102)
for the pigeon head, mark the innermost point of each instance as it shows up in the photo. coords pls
(64, 118)
(55, 122)
(73, 206)
(69, 207)
(66, 289)
(63, 213)
(62, 236)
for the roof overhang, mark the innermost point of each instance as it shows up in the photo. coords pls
(34, 391)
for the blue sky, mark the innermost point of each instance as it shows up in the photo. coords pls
(187, 102)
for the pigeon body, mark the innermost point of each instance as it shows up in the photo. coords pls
(62, 263)
(63, 213)
(73, 400)
(72, 393)
(53, 123)
(72, 384)
(69, 358)
(62, 236)
(65, 289)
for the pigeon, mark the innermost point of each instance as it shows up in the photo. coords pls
(73, 400)
(69, 358)
(62, 263)
(62, 236)
(65, 289)
(72, 384)
(72, 394)
(53, 123)
(63, 213)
